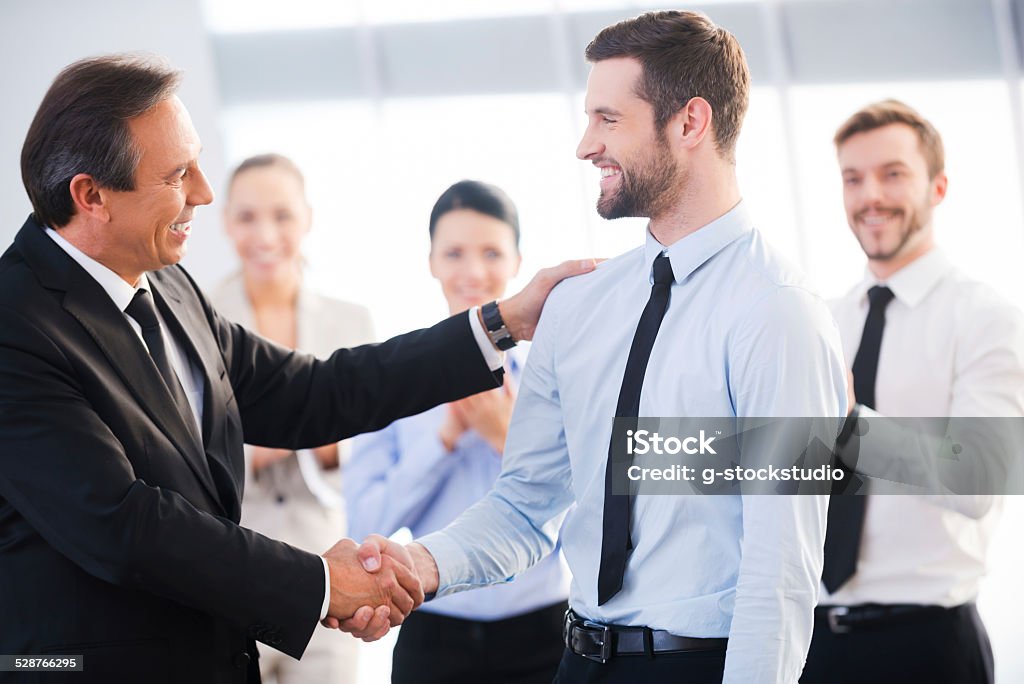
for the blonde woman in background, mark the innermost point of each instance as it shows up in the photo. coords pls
(291, 496)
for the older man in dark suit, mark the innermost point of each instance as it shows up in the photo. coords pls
(125, 399)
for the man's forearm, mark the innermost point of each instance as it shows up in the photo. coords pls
(488, 544)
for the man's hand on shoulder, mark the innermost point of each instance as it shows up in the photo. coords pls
(522, 310)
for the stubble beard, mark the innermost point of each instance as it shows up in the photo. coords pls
(914, 220)
(652, 186)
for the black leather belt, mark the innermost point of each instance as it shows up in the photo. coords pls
(843, 619)
(600, 642)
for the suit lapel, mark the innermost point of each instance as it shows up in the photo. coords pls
(90, 305)
(189, 328)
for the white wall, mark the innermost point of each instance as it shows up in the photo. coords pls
(38, 39)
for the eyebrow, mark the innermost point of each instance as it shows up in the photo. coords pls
(604, 110)
(886, 165)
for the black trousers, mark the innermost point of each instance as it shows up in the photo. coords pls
(950, 647)
(697, 667)
(520, 650)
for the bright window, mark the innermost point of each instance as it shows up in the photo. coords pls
(373, 175)
(244, 16)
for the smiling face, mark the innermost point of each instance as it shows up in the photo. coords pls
(888, 194)
(474, 256)
(267, 217)
(149, 227)
(639, 174)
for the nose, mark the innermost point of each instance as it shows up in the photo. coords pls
(199, 191)
(589, 145)
(870, 190)
(263, 233)
(475, 270)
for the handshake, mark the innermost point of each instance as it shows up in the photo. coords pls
(374, 586)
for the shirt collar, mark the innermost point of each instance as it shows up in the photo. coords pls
(689, 253)
(115, 287)
(912, 283)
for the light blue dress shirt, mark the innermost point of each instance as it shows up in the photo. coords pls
(743, 336)
(402, 476)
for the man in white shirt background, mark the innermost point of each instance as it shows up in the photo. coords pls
(902, 572)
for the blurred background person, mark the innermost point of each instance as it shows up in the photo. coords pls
(902, 572)
(289, 495)
(423, 471)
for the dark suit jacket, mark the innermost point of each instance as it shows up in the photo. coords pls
(118, 533)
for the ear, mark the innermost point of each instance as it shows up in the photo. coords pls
(309, 219)
(939, 186)
(89, 198)
(519, 262)
(430, 261)
(693, 122)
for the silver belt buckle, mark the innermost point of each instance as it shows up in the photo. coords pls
(606, 641)
(834, 613)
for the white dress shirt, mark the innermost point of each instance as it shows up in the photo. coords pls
(951, 347)
(742, 336)
(189, 374)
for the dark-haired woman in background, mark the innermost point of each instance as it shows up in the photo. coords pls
(423, 471)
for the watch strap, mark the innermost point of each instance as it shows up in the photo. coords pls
(495, 326)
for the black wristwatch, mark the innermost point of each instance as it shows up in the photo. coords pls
(495, 326)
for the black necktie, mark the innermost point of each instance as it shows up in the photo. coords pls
(615, 541)
(143, 311)
(846, 512)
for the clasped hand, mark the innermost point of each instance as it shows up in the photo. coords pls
(373, 587)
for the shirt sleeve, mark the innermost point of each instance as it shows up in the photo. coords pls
(388, 486)
(492, 356)
(516, 524)
(786, 360)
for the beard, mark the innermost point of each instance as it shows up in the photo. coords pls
(648, 188)
(913, 219)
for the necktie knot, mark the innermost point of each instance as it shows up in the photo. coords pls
(143, 310)
(663, 270)
(880, 295)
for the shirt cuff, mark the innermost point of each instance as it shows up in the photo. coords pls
(327, 589)
(494, 358)
(451, 561)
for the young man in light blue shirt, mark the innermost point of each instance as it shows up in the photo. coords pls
(688, 588)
